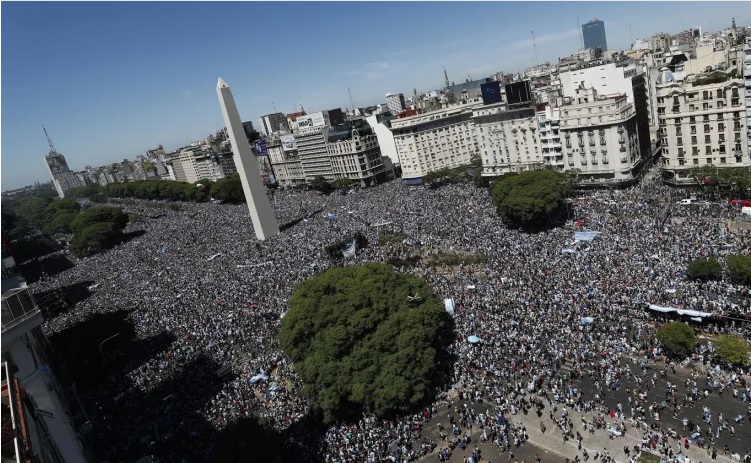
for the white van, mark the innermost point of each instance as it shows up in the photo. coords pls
(685, 202)
(746, 210)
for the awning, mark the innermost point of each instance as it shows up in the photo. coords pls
(413, 181)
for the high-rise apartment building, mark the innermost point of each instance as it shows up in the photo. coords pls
(282, 150)
(593, 33)
(507, 139)
(600, 137)
(36, 409)
(62, 177)
(703, 122)
(354, 154)
(431, 141)
(272, 123)
(395, 102)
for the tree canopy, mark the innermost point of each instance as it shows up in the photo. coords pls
(705, 269)
(320, 184)
(99, 214)
(739, 269)
(361, 344)
(95, 237)
(531, 200)
(733, 349)
(229, 189)
(677, 338)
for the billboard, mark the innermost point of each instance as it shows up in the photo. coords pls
(336, 116)
(311, 121)
(288, 142)
(261, 148)
(491, 92)
(518, 92)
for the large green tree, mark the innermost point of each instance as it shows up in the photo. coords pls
(229, 189)
(531, 200)
(97, 215)
(705, 269)
(739, 269)
(677, 338)
(320, 184)
(95, 237)
(367, 339)
(733, 349)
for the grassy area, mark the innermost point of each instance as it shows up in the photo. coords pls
(385, 237)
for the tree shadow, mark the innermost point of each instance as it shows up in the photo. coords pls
(166, 422)
(34, 248)
(50, 266)
(132, 235)
(86, 343)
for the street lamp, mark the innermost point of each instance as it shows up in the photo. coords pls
(102, 343)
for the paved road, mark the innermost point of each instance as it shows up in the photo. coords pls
(726, 405)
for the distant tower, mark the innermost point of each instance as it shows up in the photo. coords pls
(57, 167)
(264, 221)
(733, 24)
(446, 76)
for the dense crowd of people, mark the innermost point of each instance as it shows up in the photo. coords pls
(200, 275)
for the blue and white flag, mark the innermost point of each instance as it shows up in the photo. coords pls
(332, 217)
(351, 249)
(585, 236)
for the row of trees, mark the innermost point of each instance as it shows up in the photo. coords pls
(93, 229)
(326, 187)
(714, 180)
(228, 189)
(679, 340)
(738, 269)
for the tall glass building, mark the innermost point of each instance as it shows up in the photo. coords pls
(594, 35)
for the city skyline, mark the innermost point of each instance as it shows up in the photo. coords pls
(149, 77)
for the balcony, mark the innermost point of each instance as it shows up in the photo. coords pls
(17, 307)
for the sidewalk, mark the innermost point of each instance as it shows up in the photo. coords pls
(552, 439)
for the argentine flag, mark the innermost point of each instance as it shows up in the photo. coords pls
(351, 249)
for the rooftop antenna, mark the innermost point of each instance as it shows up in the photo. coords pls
(274, 105)
(581, 37)
(631, 33)
(446, 76)
(350, 100)
(49, 141)
(534, 43)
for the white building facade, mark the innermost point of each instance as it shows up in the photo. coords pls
(508, 139)
(702, 124)
(356, 158)
(428, 142)
(395, 102)
(600, 138)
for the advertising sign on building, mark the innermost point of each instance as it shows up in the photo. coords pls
(491, 92)
(261, 148)
(288, 142)
(311, 121)
(518, 92)
(336, 116)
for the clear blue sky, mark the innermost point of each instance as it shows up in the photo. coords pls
(110, 80)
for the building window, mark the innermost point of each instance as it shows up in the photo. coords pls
(723, 161)
(696, 162)
(693, 140)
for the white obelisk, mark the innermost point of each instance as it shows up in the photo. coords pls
(264, 221)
